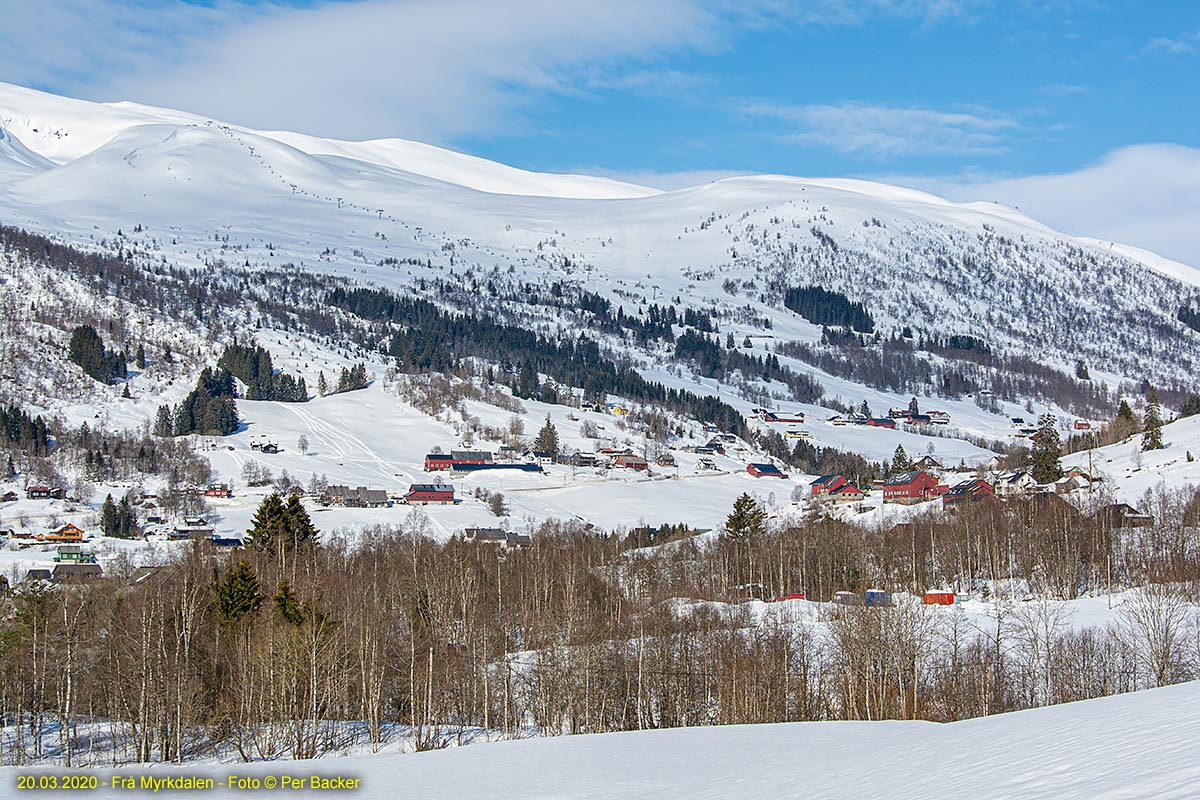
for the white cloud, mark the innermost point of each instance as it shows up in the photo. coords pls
(1187, 44)
(885, 131)
(1143, 195)
(424, 69)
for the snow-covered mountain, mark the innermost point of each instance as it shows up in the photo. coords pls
(993, 305)
(83, 171)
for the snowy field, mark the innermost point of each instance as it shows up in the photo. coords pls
(1139, 745)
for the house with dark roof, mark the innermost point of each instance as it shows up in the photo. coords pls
(968, 492)
(846, 493)
(429, 494)
(826, 484)
(760, 470)
(74, 573)
(911, 487)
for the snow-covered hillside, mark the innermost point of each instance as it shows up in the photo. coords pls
(391, 212)
(1135, 745)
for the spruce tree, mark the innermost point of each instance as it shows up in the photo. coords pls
(747, 519)
(900, 460)
(547, 438)
(1152, 426)
(1047, 448)
(140, 358)
(237, 595)
(914, 406)
(322, 384)
(108, 517)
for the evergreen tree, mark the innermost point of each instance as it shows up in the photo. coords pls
(1152, 426)
(547, 438)
(1047, 448)
(1081, 371)
(125, 392)
(140, 358)
(87, 350)
(108, 517)
(322, 384)
(914, 406)
(747, 519)
(237, 595)
(278, 526)
(900, 460)
(865, 409)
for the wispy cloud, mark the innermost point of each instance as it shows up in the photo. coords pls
(1187, 44)
(435, 70)
(878, 131)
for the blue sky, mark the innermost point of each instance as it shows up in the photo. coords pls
(1082, 112)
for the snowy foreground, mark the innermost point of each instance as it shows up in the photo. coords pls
(1139, 745)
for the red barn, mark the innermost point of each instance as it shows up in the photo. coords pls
(218, 490)
(765, 471)
(630, 461)
(437, 462)
(910, 487)
(881, 422)
(427, 493)
(939, 598)
(826, 484)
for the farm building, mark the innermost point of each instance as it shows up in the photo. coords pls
(471, 457)
(498, 537)
(938, 597)
(582, 459)
(911, 487)
(939, 417)
(629, 461)
(781, 416)
(795, 434)
(968, 492)
(218, 490)
(666, 460)
(457, 470)
(881, 422)
(1123, 515)
(919, 419)
(73, 573)
(826, 484)
(429, 494)
(436, 462)
(9, 497)
(765, 471)
(45, 493)
(846, 493)
(38, 574)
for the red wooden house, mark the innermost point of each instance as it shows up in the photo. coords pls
(437, 462)
(826, 484)
(630, 461)
(765, 471)
(911, 487)
(429, 493)
(846, 493)
(881, 422)
(969, 492)
(218, 490)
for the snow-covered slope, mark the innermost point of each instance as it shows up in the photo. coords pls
(1138, 745)
(85, 170)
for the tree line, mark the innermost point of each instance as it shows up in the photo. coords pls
(305, 640)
